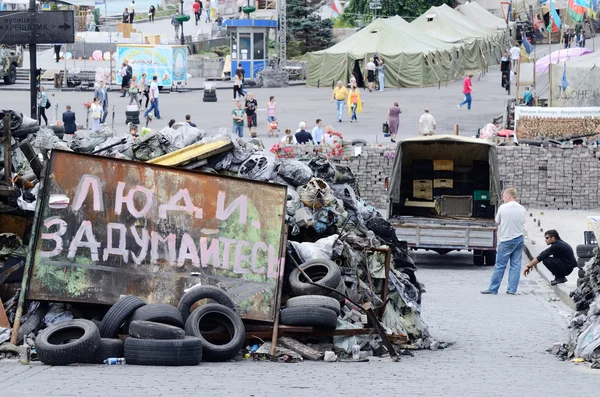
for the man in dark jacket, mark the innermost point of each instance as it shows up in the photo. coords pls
(68, 118)
(558, 258)
(303, 136)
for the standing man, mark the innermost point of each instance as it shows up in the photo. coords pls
(467, 91)
(251, 106)
(188, 119)
(196, 8)
(176, 24)
(153, 99)
(317, 132)
(558, 258)
(426, 123)
(240, 68)
(126, 16)
(89, 21)
(505, 65)
(68, 119)
(339, 94)
(102, 94)
(515, 54)
(57, 52)
(238, 119)
(511, 229)
(132, 11)
(207, 7)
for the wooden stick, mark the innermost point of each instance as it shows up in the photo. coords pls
(278, 300)
(7, 157)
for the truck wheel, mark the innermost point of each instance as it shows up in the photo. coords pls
(490, 258)
(11, 77)
(478, 257)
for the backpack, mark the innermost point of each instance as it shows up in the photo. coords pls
(129, 71)
(47, 104)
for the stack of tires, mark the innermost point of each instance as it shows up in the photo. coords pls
(312, 305)
(584, 253)
(210, 94)
(132, 115)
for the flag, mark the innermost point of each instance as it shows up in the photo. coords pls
(577, 8)
(555, 22)
(526, 48)
(564, 83)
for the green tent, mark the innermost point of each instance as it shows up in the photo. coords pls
(412, 59)
(482, 46)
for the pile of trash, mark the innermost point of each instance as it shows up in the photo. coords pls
(584, 328)
(337, 243)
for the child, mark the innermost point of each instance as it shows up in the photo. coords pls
(273, 128)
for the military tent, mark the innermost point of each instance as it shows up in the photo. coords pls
(482, 46)
(412, 58)
(519, 7)
(481, 16)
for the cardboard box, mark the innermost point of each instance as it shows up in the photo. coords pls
(422, 189)
(443, 183)
(443, 165)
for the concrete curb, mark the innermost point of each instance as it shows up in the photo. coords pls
(561, 289)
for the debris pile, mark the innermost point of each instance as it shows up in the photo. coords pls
(584, 340)
(346, 272)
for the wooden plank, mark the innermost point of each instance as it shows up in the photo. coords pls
(197, 151)
(300, 348)
(13, 224)
(3, 318)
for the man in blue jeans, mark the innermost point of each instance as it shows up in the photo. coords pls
(153, 99)
(511, 229)
(339, 94)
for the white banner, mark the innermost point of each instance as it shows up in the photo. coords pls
(583, 86)
(521, 111)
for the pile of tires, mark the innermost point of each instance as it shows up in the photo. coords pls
(585, 252)
(132, 116)
(317, 311)
(321, 271)
(209, 96)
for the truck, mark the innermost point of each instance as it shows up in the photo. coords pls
(11, 58)
(443, 195)
(167, 62)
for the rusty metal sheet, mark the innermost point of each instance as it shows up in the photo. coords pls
(197, 151)
(109, 227)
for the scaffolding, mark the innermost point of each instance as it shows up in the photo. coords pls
(281, 33)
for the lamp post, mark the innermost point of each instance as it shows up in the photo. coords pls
(182, 37)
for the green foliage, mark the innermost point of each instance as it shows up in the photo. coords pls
(306, 31)
(359, 10)
(222, 50)
(53, 7)
(340, 22)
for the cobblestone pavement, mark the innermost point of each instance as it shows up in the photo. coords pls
(499, 350)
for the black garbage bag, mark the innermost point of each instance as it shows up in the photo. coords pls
(16, 119)
(148, 147)
(322, 168)
(86, 141)
(384, 230)
(323, 218)
(259, 167)
(295, 172)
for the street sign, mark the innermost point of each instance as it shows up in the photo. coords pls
(375, 4)
(34, 27)
(505, 9)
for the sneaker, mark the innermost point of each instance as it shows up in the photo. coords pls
(340, 120)
(511, 293)
(558, 281)
(458, 106)
(488, 292)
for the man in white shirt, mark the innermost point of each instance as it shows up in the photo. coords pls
(317, 132)
(132, 11)
(515, 54)
(153, 99)
(511, 229)
(426, 123)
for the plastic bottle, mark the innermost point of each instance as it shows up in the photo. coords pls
(114, 361)
(355, 352)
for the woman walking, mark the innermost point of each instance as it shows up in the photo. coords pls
(43, 105)
(237, 85)
(371, 73)
(381, 73)
(393, 120)
(354, 104)
(96, 110)
(133, 90)
(144, 90)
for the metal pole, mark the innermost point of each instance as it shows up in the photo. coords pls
(110, 67)
(182, 37)
(33, 73)
(550, 62)
(7, 153)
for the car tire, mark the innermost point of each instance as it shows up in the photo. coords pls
(172, 352)
(118, 315)
(586, 250)
(108, 348)
(318, 317)
(159, 313)
(321, 271)
(315, 301)
(581, 273)
(11, 77)
(209, 315)
(132, 114)
(69, 342)
(478, 258)
(209, 100)
(33, 322)
(490, 258)
(359, 142)
(151, 330)
(203, 292)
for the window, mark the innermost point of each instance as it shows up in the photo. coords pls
(259, 46)
(245, 46)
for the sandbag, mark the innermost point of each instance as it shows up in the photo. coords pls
(178, 136)
(259, 167)
(316, 194)
(148, 147)
(295, 172)
(16, 119)
(86, 141)
(47, 139)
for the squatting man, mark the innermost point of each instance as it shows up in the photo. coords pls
(558, 258)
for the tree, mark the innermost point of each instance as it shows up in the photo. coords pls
(360, 10)
(306, 31)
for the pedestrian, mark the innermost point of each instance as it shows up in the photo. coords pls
(567, 38)
(188, 119)
(515, 55)
(238, 119)
(527, 97)
(171, 123)
(132, 11)
(371, 68)
(505, 65)
(426, 123)
(126, 16)
(250, 108)
(242, 71)
(68, 119)
(124, 79)
(176, 24)
(237, 85)
(289, 138)
(153, 99)
(271, 109)
(393, 120)
(510, 219)
(151, 13)
(558, 258)
(354, 104)
(381, 73)
(44, 104)
(89, 21)
(207, 7)
(102, 94)
(133, 91)
(317, 131)
(330, 138)
(144, 89)
(57, 52)
(467, 91)
(303, 136)
(196, 8)
(583, 37)
(96, 114)
(353, 80)
(339, 94)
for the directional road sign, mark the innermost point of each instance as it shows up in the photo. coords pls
(37, 27)
(375, 4)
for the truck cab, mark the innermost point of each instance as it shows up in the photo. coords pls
(11, 58)
(443, 195)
